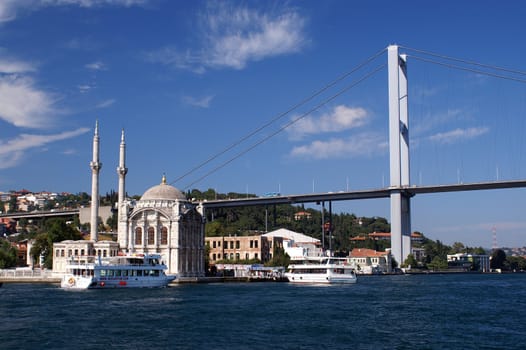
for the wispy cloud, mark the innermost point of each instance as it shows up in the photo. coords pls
(106, 103)
(366, 144)
(12, 152)
(431, 121)
(203, 102)
(458, 135)
(9, 9)
(13, 66)
(233, 36)
(24, 105)
(96, 66)
(341, 118)
(84, 88)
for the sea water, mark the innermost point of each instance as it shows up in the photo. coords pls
(452, 311)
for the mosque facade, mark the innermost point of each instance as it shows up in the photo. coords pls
(163, 221)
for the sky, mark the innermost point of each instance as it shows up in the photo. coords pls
(270, 96)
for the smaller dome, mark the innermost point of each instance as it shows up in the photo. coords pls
(163, 191)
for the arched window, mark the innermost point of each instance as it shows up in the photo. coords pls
(151, 235)
(138, 236)
(164, 235)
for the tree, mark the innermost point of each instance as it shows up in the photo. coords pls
(457, 247)
(7, 254)
(437, 263)
(497, 259)
(279, 257)
(56, 231)
(410, 261)
(516, 263)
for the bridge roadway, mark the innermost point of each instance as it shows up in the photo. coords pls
(313, 197)
(363, 194)
(40, 214)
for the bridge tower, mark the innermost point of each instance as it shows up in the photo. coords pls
(95, 169)
(399, 155)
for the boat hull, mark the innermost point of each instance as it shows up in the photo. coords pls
(78, 282)
(319, 278)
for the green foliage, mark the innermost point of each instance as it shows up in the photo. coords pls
(516, 263)
(56, 231)
(279, 257)
(113, 220)
(410, 261)
(438, 263)
(497, 259)
(7, 254)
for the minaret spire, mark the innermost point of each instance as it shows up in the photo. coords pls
(122, 170)
(95, 169)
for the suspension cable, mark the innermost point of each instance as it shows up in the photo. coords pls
(289, 124)
(465, 61)
(472, 70)
(280, 116)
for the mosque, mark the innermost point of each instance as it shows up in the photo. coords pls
(163, 221)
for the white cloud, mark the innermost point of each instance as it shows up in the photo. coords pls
(430, 121)
(458, 135)
(106, 103)
(84, 88)
(95, 3)
(23, 105)
(12, 66)
(339, 119)
(232, 37)
(10, 8)
(12, 151)
(96, 66)
(203, 102)
(366, 144)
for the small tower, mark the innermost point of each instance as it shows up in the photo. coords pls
(95, 169)
(122, 170)
(122, 209)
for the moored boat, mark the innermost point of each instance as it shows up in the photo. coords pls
(326, 270)
(129, 271)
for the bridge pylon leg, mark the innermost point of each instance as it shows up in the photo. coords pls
(399, 155)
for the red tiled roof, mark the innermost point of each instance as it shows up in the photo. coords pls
(364, 253)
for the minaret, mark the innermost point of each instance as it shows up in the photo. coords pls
(122, 171)
(95, 168)
(122, 207)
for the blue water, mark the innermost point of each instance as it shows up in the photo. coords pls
(379, 312)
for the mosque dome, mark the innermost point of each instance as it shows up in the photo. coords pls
(163, 191)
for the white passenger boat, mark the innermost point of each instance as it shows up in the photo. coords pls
(130, 271)
(326, 270)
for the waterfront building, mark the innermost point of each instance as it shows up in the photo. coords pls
(235, 248)
(468, 262)
(297, 245)
(80, 251)
(370, 261)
